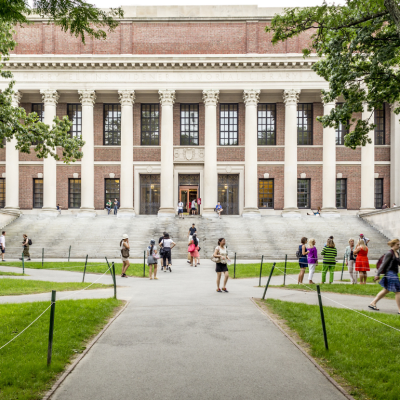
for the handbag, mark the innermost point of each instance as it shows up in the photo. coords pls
(125, 252)
(191, 248)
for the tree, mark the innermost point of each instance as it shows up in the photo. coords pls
(77, 17)
(359, 49)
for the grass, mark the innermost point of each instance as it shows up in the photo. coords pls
(24, 373)
(363, 352)
(11, 287)
(134, 269)
(2, 273)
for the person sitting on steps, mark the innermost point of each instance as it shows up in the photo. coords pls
(219, 209)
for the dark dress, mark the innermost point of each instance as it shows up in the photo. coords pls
(303, 262)
(391, 281)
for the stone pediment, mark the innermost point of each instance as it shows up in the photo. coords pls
(189, 154)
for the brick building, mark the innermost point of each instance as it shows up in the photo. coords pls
(186, 102)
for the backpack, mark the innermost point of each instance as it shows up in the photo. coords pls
(30, 242)
(380, 261)
(298, 254)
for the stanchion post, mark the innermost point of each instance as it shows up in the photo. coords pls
(84, 270)
(23, 263)
(344, 257)
(144, 263)
(269, 278)
(42, 256)
(259, 281)
(115, 281)
(321, 310)
(284, 273)
(51, 329)
(234, 268)
(69, 252)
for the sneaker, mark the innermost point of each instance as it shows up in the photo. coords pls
(198, 263)
(170, 269)
(3, 260)
(165, 270)
(225, 290)
(188, 261)
(219, 290)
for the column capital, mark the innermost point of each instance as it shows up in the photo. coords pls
(210, 97)
(126, 97)
(167, 97)
(16, 98)
(87, 97)
(291, 96)
(50, 96)
(331, 103)
(251, 97)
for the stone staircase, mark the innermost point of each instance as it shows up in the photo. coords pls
(272, 236)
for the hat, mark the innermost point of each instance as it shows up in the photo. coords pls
(125, 236)
(152, 241)
(361, 234)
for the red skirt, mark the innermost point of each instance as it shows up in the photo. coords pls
(362, 263)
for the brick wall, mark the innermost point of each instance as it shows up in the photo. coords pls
(347, 154)
(65, 172)
(309, 153)
(353, 175)
(387, 123)
(147, 153)
(98, 124)
(26, 175)
(382, 153)
(280, 124)
(313, 172)
(271, 153)
(230, 153)
(384, 172)
(3, 154)
(107, 154)
(276, 173)
(318, 111)
(102, 172)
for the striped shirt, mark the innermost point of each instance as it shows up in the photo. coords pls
(329, 254)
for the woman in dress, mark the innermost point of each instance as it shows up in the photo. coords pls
(350, 260)
(221, 253)
(194, 254)
(152, 259)
(303, 263)
(124, 247)
(167, 245)
(390, 269)
(312, 259)
(362, 263)
(329, 261)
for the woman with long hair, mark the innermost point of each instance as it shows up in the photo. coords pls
(124, 247)
(390, 269)
(303, 262)
(350, 260)
(362, 263)
(329, 261)
(312, 259)
(152, 259)
(167, 244)
(194, 253)
(221, 253)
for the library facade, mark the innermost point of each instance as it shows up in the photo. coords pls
(184, 103)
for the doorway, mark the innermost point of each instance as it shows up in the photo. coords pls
(149, 194)
(186, 195)
(228, 193)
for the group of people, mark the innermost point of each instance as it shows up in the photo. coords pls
(25, 246)
(110, 205)
(193, 207)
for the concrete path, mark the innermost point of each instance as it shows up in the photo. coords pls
(180, 339)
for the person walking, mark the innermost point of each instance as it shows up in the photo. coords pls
(329, 261)
(221, 254)
(3, 245)
(219, 209)
(193, 207)
(303, 263)
(167, 244)
(59, 208)
(350, 260)
(390, 269)
(108, 206)
(152, 259)
(25, 245)
(116, 205)
(180, 210)
(362, 263)
(194, 250)
(365, 239)
(312, 259)
(124, 247)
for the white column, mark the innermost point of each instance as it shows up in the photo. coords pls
(50, 99)
(394, 156)
(87, 98)
(167, 206)
(251, 98)
(126, 98)
(210, 195)
(329, 168)
(368, 168)
(12, 167)
(290, 98)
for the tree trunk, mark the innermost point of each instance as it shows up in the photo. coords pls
(394, 12)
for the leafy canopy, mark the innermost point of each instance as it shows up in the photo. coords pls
(359, 49)
(80, 19)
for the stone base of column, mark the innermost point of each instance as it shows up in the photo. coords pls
(126, 213)
(291, 212)
(49, 212)
(86, 212)
(11, 210)
(366, 210)
(210, 213)
(166, 212)
(250, 212)
(330, 212)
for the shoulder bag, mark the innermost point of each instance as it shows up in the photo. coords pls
(215, 259)
(125, 252)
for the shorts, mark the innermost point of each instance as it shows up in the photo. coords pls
(180, 211)
(2, 250)
(221, 267)
(193, 208)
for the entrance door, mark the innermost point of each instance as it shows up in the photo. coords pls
(186, 195)
(149, 194)
(228, 193)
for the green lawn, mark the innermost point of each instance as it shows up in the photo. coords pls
(11, 287)
(24, 373)
(2, 273)
(95, 267)
(363, 352)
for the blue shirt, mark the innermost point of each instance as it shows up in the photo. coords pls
(218, 207)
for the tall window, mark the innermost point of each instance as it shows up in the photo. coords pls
(37, 193)
(378, 193)
(38, 108)
(341, 131)
(74, 112)
(150, 124)
(341, 193)
(379, 115)
(266, 124)
(304, 124)
(228, 125)
(189, 124)
(112, 124)
(74, 193)
(2, 192)
(303, 193)
(265, 193)
(111, 190)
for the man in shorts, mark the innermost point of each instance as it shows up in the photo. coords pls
(219, 209)
(180, 210)
(3, 244)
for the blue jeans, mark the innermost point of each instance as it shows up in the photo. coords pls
(115, 210)
(108, 209)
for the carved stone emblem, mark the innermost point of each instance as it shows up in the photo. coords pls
(189, 154)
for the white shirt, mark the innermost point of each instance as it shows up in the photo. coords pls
(194, 204)
(3, 241)
(167, 243)
(180, 205)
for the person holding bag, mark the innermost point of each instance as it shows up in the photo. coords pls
(220, 257)
(124, 246)
(152, 259)
(193, 250)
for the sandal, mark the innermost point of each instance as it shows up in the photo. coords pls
(375, 308)
(219, 290)
(225, 290)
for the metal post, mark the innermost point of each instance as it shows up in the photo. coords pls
(284, 274)
(42, 257)
(144, 263)
(344, 257)
(321, 310)
(84, 270)
(51, 330)
(115, 281)
(23, 263)
(259, 281)
(269, 278)
(69, 253)
(234, 268)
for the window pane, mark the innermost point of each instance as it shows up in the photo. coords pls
(37, 193)
(266, 193)
(379, 193)
(2, 192)
(74, 112)
(74, 193)
(303, 193)
(111, 190)
(150, 125)
(189, 124)
(266, 124)
(342, 131)
(112, 124)
(341, 193)
(228, 135)
(379, 116)
(304, 124)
